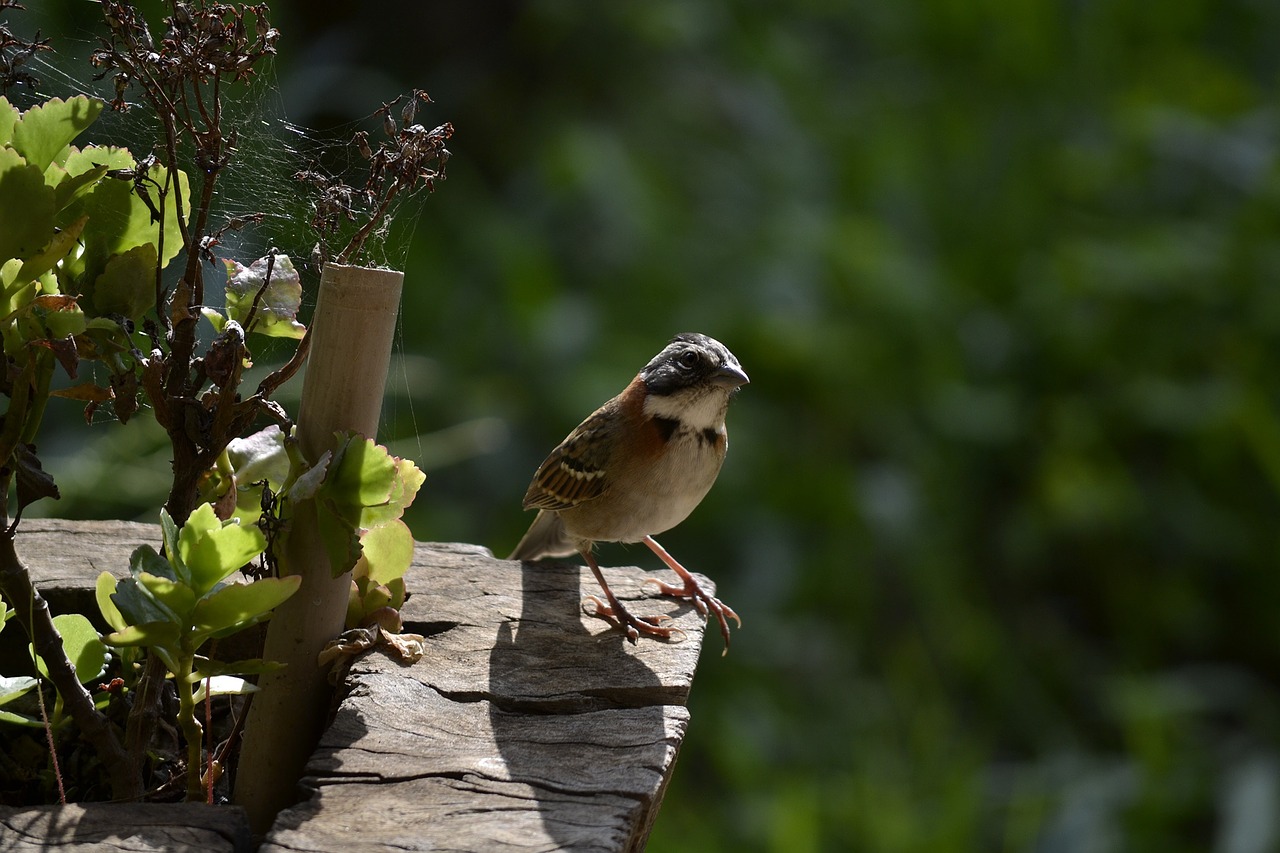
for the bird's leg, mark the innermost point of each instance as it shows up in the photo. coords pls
(693, 591)
(614, 612)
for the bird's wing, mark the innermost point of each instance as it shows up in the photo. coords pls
(575, 471)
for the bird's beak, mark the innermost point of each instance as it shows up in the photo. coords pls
(730, 376)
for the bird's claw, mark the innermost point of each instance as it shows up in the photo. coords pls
(704, 602)
(633, 626)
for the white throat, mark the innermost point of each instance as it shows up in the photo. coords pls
(696, 409)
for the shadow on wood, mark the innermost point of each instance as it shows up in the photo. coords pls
(527, 726)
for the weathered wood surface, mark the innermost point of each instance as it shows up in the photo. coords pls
(125, 829)
(527, 725)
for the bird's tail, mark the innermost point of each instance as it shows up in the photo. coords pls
(546, 538)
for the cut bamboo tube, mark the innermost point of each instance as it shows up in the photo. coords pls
(351, 339)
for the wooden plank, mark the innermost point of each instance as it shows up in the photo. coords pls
(526, 726)
(472, 776)
(534, 727)
(137, 828)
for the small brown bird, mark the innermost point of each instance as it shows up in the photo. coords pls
(637, 467)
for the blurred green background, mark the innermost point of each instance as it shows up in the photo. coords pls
(1001, 509)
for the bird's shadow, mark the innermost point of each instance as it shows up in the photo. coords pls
(574, 702)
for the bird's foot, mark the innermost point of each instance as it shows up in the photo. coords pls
(705, 602)
(633, 626)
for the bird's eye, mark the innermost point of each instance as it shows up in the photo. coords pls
(688, 360)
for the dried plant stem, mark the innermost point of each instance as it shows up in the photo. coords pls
(32, 613)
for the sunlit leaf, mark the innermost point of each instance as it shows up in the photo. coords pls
(8, 118)
(58, 247)
(68, 187)
(260, 456)
(237, 606)
(278, 306)
(122, 221)
(177, 596)
(13, 687)
(82, 645)
(404, 488)
(363, 475)
(223, 685)
(387, 551)
(212, 549)
(102, 590)
(154, 634)
(46, 129)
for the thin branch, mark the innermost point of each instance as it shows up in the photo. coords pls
(15, 584)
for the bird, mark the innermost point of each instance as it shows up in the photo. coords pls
(635, 468)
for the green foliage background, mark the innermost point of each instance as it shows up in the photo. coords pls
(1001, 509)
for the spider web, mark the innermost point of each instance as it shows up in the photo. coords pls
(260, 183)
(258, 190)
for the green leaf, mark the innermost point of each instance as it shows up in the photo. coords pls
(237, 606)
(20, 720)
(83, 646)
(59, 246)
(254, 666)
(121, 221)
(362, 475)
(387, 552)
(13, 687)
(215, 318)
(260, 456)
(174, 595)
(92, 157)
(278, 308)
(365, 598)
(225, 685)
(26, 207)
(157, 635)
(141, 229)
(64, 323)
(309, 483)
(127, 285)
(46, 129)
(8, 118)
(102, 591)
(67, 187)
(169, 533)
(138, 606)
(145, 559)
(368, 486)
(404, 488)
(339, 536)
(212, 550)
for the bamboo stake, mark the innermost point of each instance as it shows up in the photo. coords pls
(352, 335)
